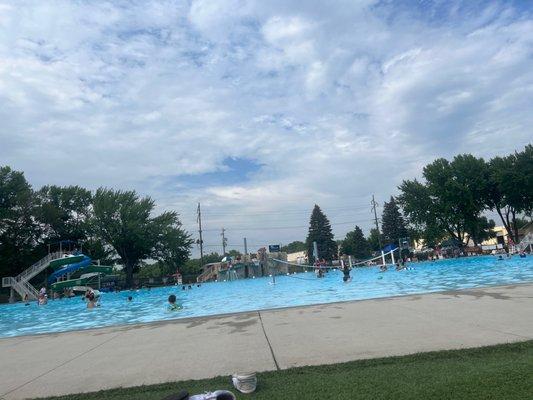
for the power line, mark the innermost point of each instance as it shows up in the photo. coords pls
(283, 212)
(284, 227)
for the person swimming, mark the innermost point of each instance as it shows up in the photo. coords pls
(172, 305)
(130, 298)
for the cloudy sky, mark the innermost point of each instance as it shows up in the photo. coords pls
(260, 109)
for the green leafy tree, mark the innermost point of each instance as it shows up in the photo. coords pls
(193, 266)
(355, 244)
(374, 240)
(480, 229)
(392, 223)
(294, 247)
(97, 249)
(320, 232)
(150, 270)
(64, 212)
(124, 221)
(451, 199)
(19, 233)
(173, 244)
(510, 188)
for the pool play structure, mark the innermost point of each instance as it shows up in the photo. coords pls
(297, 289)
(68, 270)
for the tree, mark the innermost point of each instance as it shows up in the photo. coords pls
(374, 240)
(173, 244)
(509, 189)
(193, 266)
(234, 254)
(294, 247)
(480, 230)
(320, 232)
(64, 212)
(19, 233)
(124, 221)
(451, 199)
(392, 223)
(355, 244)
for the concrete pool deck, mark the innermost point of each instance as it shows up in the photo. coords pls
(122, 356)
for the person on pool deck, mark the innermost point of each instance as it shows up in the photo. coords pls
(172, 306)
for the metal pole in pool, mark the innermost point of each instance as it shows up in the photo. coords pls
(392, 256)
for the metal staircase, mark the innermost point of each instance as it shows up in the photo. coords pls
(525, 242)
(209, 273)
(21, 283)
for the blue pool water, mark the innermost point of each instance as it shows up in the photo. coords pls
(256, 294)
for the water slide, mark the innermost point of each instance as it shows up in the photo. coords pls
(87, 276)
(68, 265)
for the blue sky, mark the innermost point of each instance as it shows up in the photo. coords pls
(260, 109)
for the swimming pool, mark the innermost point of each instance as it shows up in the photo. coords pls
(255, 294)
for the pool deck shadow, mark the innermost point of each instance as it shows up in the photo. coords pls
(195, 348)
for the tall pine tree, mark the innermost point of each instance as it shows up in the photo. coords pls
(320, 232)
(355, 244)
(392, 223)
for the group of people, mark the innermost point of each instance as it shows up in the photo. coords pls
(522, 254)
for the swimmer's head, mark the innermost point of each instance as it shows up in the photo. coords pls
(172, 299)
(130, 298)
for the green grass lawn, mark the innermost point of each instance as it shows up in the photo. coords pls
(496, 372)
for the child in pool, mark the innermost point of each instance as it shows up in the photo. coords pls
(91, 300)
(172, 306)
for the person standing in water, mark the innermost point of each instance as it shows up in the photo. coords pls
(91, 300)
(346, 271)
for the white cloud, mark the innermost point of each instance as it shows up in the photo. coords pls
(336, 100)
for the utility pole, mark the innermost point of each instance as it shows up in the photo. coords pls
(224, 242)
(245, 247)
(201, 241)
(374, 205)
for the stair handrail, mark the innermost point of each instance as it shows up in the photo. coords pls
(526, 241)
(38, 266)
(205, 274)
(8, 281)
(25, 288)
(29, 287)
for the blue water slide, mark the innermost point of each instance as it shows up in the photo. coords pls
(70, 268)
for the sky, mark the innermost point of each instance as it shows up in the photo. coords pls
(260, 109)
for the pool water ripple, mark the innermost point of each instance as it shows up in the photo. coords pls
(254, 294)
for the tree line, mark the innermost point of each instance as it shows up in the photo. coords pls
(109, 225)
(446, 206)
